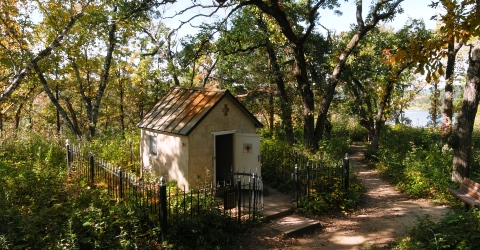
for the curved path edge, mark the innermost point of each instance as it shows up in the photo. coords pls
(384, 215)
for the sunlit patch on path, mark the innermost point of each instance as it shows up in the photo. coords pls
(384, 215)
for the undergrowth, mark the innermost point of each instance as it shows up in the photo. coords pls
(415, 161)
(419, 165)
(278, 165)
(42, 207)
(457, 230)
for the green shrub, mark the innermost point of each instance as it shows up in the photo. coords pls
(211, 229)
(457, 230)
(278, 165)
(333, 200)
(43, 208)
(415, 161)
(350, 129)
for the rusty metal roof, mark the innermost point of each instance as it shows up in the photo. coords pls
(182, 108)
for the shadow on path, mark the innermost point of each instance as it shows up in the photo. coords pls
(384, 215)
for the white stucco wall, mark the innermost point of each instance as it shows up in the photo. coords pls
(189, 160)
(171, 160)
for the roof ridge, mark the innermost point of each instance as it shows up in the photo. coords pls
(201, 89)
(182, 108)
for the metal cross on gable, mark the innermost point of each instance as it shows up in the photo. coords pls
(225, 110)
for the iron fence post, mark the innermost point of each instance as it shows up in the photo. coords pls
(254, 196)
(239, 198)
(296, 183)
(120, 185)
(308, 179)
(346, 172)
(131, 152)
(162, 196)
(92, 167)
(68, 156)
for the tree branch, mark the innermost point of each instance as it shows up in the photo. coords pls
(15, 83)
(54, 100)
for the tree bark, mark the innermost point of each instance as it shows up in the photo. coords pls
(366, 121)
(57, 113)
(55, 102)
(1, 124)
(103, 80)
(73, 115)
(461, 139)
(447, 123)
(434, 105)
(271, 107)
(122, 110)
(296, 43)
(379, 118)
(362, 30)
(285, 107)
(17, 116)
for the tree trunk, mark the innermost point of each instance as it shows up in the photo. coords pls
(170, 63)
(57, 113)
(461, 139)
(448, 102)
(73, 116)
(285, 107)
(435, 103)
(271, 115)
(376, 137)
(366, 121)
(362, 29)
(379, 119)
(18, 78)
(296, 43)
(103, 81)
(55, 101)
(1, 124)
(300, 72)
(17, 116)
(122, 109)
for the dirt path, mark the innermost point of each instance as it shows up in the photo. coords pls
(384, 215)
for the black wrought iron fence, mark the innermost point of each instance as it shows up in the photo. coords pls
(321, 177)
(242, 198)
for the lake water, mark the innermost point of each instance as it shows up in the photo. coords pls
(419, 117)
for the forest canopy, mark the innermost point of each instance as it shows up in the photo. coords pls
(88, 68)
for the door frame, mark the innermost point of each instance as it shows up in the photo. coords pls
(215, 134)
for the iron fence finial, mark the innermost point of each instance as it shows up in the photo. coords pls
(161, 180)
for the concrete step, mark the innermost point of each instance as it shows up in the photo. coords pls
(276, 205)
(276, 212)
(294, 225)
